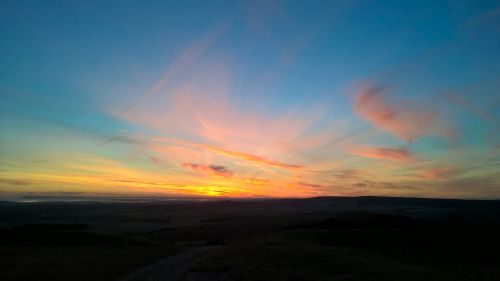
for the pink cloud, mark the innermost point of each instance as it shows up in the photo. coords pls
(438, 173)
(402, 119)
(392, 154)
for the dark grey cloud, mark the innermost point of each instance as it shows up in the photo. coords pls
(210, 169)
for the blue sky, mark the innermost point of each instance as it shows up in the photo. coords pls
(250, 98)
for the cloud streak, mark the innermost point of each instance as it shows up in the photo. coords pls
(253, 158)
(15, 181)
(187, 57)
(229, 153)
(384, 153)
(438, 173)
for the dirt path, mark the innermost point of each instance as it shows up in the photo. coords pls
(173, 268)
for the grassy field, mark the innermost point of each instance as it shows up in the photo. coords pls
(47, 253)
(332, 251)
(309, 239)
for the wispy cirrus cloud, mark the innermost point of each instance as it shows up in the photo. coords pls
(206, 128)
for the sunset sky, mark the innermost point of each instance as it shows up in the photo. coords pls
(250, 99)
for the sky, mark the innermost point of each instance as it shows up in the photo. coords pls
(250, 99)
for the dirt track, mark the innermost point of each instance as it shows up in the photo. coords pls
(176, 268)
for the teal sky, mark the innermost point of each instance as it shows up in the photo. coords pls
(250, 98)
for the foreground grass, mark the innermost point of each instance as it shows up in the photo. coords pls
(315, 255)
(69, 263)
(75, 256)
